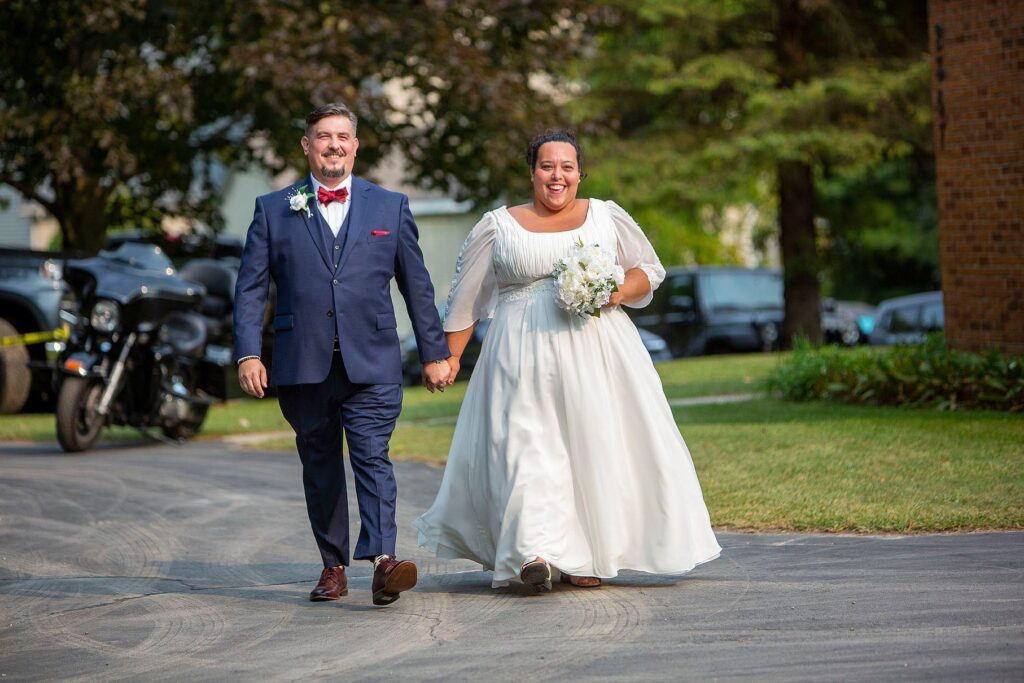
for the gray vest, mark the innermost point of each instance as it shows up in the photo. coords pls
(334, 246)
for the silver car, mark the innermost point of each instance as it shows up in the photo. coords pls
(908, 319)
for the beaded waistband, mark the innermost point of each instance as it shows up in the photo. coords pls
(518, 292)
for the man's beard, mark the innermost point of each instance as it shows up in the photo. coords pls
(332, 172)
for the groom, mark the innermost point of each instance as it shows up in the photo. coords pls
(332, 244)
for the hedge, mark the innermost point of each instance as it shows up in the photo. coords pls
(920, 375)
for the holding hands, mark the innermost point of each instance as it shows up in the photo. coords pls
(436, 375)
(454, 364)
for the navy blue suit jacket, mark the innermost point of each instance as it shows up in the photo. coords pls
(315, 302)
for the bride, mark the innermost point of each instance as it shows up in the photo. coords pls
(565, 455)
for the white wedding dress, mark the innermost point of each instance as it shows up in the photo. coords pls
(565, 446)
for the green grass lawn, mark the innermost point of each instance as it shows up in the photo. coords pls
(763, 464)
(709, 375)
(769, 464)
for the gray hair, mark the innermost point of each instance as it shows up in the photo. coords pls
(331, 109)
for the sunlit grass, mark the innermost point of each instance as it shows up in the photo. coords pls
(768, 464)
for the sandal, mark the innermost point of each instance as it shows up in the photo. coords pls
(536, 573)
(581, 581)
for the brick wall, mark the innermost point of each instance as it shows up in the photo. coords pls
(977, 51)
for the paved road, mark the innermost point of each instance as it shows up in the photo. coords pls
(160, 563)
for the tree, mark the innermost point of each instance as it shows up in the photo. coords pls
(707, 98)
(881, 235)
(115, 112)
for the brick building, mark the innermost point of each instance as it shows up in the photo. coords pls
(977, 51)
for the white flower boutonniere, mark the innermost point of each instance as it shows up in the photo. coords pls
(300, 200)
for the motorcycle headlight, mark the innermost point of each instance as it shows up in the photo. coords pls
(105, 316)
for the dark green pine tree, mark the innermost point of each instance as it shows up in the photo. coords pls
(706, 103)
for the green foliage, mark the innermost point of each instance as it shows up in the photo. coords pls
(690, 105)
(921, 375)
(117, 112)
(881, 229)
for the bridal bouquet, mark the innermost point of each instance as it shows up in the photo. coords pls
(585, 279)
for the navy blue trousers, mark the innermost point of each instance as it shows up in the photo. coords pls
(366, 414)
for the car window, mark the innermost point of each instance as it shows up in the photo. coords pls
(932, 316)
(682, 286)
(741, 290)
(904, 319)
(680, 293)
(883, 321)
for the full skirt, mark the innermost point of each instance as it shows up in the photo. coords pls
(566, 448)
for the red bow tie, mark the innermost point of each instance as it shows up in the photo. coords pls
(325, 196)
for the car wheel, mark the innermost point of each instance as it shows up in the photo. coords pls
(850, 335)
(768, 333)
(15, 375)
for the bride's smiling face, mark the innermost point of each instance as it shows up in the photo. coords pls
(555, 175)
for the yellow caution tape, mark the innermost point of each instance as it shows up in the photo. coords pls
(34, 337)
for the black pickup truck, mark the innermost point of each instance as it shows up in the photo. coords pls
(31, 286)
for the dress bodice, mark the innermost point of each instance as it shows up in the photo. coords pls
(503, 261)
(521, 257)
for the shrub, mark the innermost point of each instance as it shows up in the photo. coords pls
(922, 375)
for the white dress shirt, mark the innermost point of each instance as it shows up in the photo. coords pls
(335, 212)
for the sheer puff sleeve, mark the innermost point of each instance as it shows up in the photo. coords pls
(635, 251)
(474, 291)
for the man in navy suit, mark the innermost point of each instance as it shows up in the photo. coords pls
(332, 244)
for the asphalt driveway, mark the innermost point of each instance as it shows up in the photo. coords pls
(157, 563)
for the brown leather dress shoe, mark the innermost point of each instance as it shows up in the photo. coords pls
(333, 584)
(391, 577)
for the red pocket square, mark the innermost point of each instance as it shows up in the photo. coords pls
(380, 233)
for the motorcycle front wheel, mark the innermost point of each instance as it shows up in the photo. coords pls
(78, 423)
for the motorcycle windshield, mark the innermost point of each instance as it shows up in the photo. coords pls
(131, 272)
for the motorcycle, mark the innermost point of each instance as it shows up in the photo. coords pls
(137, 354)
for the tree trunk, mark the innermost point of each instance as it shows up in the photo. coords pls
(81, 210)
(800, 260)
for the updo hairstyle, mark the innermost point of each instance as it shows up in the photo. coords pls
(554, 136)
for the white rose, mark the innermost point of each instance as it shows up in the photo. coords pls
(297, 202)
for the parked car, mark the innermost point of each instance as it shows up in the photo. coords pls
(30, 296)
(908, 319)
(846, 322)
(704, 310)
(655, 345)
(411, 367)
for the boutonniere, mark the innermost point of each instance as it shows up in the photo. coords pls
(300, 200)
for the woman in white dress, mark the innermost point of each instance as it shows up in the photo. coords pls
(565, 455)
